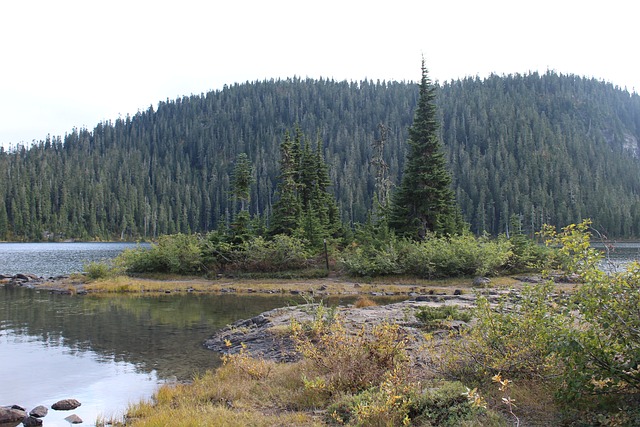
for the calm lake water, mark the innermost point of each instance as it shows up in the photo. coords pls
(54, 259)
(105, 352)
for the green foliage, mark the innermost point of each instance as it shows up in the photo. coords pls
(517, 144)
(396, 403)
(435, 257)
(515, 337)
(435, 317)
(585, 345)
(425, 202)
(178, 254)
(444, 405)
(281, 253)
(602, 347)
(241, 180)
(99, 270)
(304, 207)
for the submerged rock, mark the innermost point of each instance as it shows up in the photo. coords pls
(73, 419)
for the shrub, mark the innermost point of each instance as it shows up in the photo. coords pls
(281, 253)
(176, 253)
(435, 257)
(346, 362)
(602, 346)
(435, 317)
(98, 270)
(514, 337)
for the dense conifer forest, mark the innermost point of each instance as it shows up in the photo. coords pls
(550, 148)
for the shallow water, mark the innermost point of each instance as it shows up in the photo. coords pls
(107, 351)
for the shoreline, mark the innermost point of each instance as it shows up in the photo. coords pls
(78, 284)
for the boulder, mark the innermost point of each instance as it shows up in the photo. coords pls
(73, 419)
(39, 411)
(481, 281)
(65, 405)
(31, 422)
(10, 415)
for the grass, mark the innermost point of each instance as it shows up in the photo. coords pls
(162, 283)
(230, 397)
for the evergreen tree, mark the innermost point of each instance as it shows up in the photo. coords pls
(242, 180)
(425, 201)
(305, 206)
(287, 208)
(241, 190)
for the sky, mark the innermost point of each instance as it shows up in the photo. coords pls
(75, 63)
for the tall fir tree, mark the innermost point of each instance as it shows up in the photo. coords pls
(287, 208)
(425, 202)
(242, 178)
(304, 207)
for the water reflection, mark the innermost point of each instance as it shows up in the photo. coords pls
(107, 351)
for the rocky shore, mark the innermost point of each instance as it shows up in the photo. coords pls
(12, 416)
(266, 336)
(57, 284)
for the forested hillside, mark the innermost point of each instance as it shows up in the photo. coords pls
(550, 148)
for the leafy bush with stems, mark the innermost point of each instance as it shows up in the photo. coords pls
(435, 317)
(435, 257)
(585, 345)
(176, 253)
(99, 270)
(282, 252)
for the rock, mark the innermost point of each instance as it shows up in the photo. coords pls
(481, 281)
(31, 421)
(73, 419)
(65, 405)
(27, 277)
(39, 411)
(11, 415)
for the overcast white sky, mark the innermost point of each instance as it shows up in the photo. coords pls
(73, 63)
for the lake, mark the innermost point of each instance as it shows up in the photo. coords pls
(105, 352)
(55, 259)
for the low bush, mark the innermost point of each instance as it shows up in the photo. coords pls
(346, 362)
(99, 270)
(280, 253)
(176, 253)
(435, 257)
(435, 317)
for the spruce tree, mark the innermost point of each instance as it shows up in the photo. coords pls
(425, 202)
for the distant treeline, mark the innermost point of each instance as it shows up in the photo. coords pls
(550, 148)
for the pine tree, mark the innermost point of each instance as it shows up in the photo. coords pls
(425, 201)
